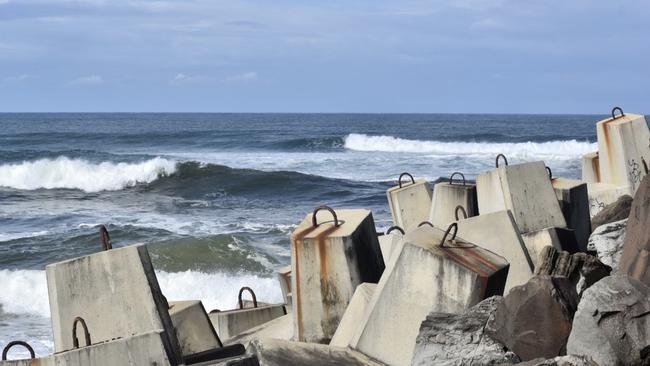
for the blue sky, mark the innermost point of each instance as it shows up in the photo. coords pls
(474, 56)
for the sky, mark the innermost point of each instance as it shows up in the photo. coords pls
(442, 56)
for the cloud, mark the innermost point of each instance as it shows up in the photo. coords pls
(17, 78)
(86, 80)
(246, 77)
(182, 78)
(488, 24)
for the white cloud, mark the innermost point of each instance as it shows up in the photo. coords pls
(17, 78)
(182, 78)
(246, 77)
(488, 24)
(86, 80)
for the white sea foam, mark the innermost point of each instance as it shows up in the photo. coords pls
(24, 292)
(568, 149)
(64, 172)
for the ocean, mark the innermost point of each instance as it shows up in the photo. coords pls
(216, 196)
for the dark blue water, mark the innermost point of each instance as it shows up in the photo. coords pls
(217, 195)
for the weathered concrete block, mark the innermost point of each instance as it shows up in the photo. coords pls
(388, 241)
(273, 352)
(284, 277)
(278, 328)
(498, 233)
(233, 322)
(612, 323)
(449, 195)
(622, 147)
(560, 239)
(607, 241)
(329, 260)
(410, 202)
(582, 269)
(603, 194)
(635, 260)
(617, 211)
(193, 327)
(460, 339)
(424, 276)
(526, 190)
(117, 294)
(353, 315)
(534, 320)
(590, 168)
(574, 202)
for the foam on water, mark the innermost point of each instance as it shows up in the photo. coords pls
(64, 172)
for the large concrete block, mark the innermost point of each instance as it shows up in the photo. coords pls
(622, 147)
(447, 196)
(329, 260)
(284, 277)
(526, 190)
(273, 352)
(388, 241)
(194, 330)
(590, 168)
(117, 294)
(498, 233)
(560, 239)
(603, 194)
(424, 276)
(278, 328)
(574, 202)
(353, 315)
(410, 202)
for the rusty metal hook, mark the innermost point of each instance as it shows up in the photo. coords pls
(451, 179)
(314, 223)
(504, 160)
(425, 223)
(550, 173)
(614, 112)
(444, 237)
(392, 228)
(75, 340)
(106, 239)
(241, 302)
(399, 180)
(17, 343)
(461, 209)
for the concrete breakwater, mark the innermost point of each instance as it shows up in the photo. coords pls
(497, 271)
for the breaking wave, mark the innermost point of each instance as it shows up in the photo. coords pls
(64, 172)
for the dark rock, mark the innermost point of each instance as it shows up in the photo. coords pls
(534, 320)
(570, 360)
(582, 269)
(612, 324)
(459, 339)
(615, 211)
(635, 260)
(607, 242)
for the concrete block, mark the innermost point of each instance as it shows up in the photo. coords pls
(233, 322)
(590, 168)
(622, 147)
(273, 352)
(388, 241)
(603, 194)
(117, 294)
(449, 195)
(410, 202)
(193, 327)
(574, 202)
(526, 190)
(284, 277)
(558, 238)
(353, 315)
(498, 233)
(278, 328)
(424, 276)
(329, 260)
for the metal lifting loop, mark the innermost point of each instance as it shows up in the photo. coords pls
(461, 209)
(614, 112)
(313, 216)
(550, 173)
(75, 340)
(17, 343)
(504, 160)
(106, 239)
(399, 180)
(241, 302)
(425, 223)
(390, 229)
(451, 179)
(645, 165)
(444, 237)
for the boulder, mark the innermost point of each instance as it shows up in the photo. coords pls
(582, 269)
(615, 211)
(635, 260)
(569, 360)
(460, 339)
(534, 320)
(607, 241)
(612, 324)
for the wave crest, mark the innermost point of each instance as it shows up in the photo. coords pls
(551, 149)
(64, 172)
